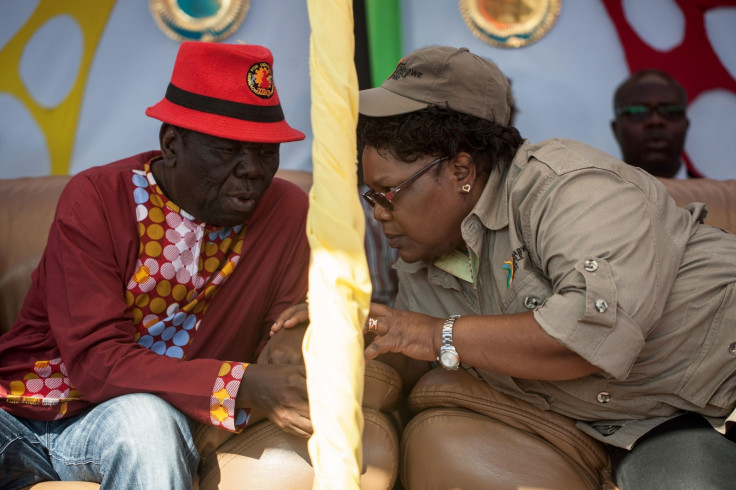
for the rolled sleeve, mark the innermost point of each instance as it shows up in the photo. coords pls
(613, 348)
(598, 240)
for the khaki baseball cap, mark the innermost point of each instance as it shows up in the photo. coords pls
(444, 76)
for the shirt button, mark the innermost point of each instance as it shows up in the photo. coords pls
(603, 397)
(732, 348)
(591, 265)
(600, 305)
(531, 302)
(607, 430)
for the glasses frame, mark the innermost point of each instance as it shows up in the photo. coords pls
(384, 200)
(641, 112)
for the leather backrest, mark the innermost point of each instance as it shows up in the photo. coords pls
(302, 178)
(27, 207)
(719, 197)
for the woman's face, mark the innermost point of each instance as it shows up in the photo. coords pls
(425, 221)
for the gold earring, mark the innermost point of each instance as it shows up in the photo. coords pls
(465, 188)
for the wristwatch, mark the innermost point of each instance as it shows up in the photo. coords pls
(448, 358)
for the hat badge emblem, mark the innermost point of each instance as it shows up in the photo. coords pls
(260, 80)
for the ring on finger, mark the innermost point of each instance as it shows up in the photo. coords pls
(372, 325)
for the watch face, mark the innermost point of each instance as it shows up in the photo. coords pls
(449, 359)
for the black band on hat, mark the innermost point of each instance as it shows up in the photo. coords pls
(220, 107)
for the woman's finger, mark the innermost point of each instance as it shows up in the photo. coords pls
(371, 325)
(378, 310)
(372, 351)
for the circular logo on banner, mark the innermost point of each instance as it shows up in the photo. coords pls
(510, 23)
(260, 80)
(204, 20)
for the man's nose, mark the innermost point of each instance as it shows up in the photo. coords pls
(247, 165)
(655, 118)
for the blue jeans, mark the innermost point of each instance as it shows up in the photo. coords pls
(133, 441)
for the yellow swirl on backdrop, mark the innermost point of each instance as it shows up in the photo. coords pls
(57, 124)
(339, 282)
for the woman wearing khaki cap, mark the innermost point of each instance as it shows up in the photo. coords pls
(553, 271)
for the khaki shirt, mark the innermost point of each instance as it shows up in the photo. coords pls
(614, 271)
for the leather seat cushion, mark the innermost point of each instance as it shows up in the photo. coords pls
(459, 389)
(458, 448)
(258, 458)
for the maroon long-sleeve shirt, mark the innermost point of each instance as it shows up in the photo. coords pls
(76, 342)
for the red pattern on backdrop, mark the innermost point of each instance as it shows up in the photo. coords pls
(693, 62)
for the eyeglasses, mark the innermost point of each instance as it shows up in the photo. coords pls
(671, 112)
(384, 200)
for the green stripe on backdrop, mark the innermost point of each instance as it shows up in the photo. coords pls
(385, 45)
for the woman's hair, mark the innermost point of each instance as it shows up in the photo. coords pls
(441, 132)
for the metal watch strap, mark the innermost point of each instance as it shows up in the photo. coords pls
(447, 331)
(448, 357)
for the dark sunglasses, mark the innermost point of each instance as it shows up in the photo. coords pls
(384, 200)
(670, 112)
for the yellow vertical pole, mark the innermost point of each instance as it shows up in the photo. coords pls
(339, 282)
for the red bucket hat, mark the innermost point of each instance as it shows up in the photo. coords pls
(225, 90)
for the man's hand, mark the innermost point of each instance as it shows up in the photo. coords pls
(278, 391)
(285, 347)
(291, 317)
(276, 386)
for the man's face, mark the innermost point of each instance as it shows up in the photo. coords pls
(221, 181)
(651, 133)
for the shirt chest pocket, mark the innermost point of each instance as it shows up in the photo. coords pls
(528, 291)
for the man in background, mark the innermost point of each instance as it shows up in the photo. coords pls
(650, 122)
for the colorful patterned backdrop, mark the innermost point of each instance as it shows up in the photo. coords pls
(77, 75)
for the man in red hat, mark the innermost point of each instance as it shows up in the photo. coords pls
(161, 277)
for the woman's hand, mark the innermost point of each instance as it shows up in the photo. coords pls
(291, 317)
(412, 334)
(514, 345)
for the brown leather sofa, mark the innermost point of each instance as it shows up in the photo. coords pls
(462, 433)
(262, 455)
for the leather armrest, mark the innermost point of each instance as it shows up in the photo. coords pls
(381, 393)
(382, 389)
(382, 382)
(441, 388)
(457, 448)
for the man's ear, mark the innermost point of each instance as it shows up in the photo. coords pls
(170, 141)
(614, 128)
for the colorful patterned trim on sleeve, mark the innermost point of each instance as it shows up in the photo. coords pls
(223, 412)
(47, 384)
